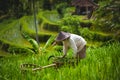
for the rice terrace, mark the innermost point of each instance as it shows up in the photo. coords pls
(59, 40)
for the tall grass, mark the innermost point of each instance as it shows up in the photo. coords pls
(101, 63)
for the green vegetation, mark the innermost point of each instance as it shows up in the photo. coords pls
(18, 44)
(100, 63)
(14, 33)
(108, 16)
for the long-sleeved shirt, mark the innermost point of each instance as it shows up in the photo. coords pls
(76, 42)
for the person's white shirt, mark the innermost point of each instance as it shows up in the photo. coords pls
(76, 42)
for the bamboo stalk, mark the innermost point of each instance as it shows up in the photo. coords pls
(39, 68)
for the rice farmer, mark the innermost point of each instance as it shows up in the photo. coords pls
(76, 42)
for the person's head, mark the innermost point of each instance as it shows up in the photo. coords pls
(62, 36)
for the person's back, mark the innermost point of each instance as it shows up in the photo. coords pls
(79, 40)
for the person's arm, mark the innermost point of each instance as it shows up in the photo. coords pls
(74, 47)
(65, 48)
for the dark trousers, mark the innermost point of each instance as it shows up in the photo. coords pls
(81, 54)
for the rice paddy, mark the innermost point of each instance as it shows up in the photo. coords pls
(101, 63)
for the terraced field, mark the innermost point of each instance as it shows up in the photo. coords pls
(11, 31)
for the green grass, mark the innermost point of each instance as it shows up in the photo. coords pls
(101, 63)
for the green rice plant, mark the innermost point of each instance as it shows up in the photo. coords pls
(102, 63)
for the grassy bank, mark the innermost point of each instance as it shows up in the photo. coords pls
(101, 63)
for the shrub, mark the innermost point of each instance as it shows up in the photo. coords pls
(89, 35)
(86, 33)
(85, 24)
(108, 15)
(61, 8)
(71, 24)
(65, 28)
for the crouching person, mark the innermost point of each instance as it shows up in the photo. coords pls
(76, 42)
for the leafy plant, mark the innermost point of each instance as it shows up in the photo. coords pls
(108, 15)
(33, 42)
(61, 8)
(86, 33)
(49, 41)
(70, 24)
(19, 50)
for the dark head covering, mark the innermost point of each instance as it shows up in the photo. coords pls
(62, 36)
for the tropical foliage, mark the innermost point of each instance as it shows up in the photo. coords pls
(108, 15)
(18, 44)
